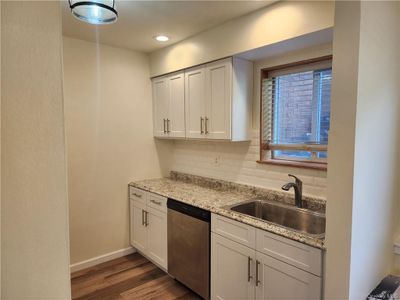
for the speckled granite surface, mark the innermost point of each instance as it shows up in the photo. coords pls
(214, 195)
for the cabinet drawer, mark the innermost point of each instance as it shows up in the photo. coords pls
(294, 253)
(234, 230)
(137, 194)
(157, 202)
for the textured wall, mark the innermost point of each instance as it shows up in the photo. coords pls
(34, 238)
(363, 193)
(378, 115)
(108, 112)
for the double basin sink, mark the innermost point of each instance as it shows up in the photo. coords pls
(299, 219)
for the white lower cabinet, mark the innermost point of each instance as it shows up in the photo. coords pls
(138, 228)
(231, 266)
(148, 226)
(239, 271)
(157, 237)
(279, 280)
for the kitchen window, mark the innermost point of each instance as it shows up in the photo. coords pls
(295, 113)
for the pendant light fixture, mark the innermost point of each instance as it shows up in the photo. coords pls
(94, 11)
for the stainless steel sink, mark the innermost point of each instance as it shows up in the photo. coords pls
(289, 216)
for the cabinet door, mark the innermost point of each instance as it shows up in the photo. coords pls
(176, 117)
(160, 106)
(157, 236)
(138, 230)
(195, 102)
(219, 97)
(278, 280)
(232, 269)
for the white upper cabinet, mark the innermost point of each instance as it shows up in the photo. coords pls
(160, 106)
(218, 100)
(195, 93)
(169, 106)
(212, 101)
(176, 117)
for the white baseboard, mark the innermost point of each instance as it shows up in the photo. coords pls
(100, 259)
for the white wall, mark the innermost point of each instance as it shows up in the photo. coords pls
(34, 237)
(108, 109)
(0, 150)
(341, 149)
(237, 161)
(376, 207)
(363, 206)
(278, 22)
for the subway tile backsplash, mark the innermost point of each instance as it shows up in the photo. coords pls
(236, 161)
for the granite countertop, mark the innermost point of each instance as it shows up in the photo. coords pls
(213, 195)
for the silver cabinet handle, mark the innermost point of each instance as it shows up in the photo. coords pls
(165, 131)
(205, 125)
(201, 125)
(156, 202)
(257, 280)
(137, 195)
(168, 125)
(249, 277)
(142, 217)
(146, 222)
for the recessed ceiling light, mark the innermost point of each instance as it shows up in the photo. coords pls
(161, 38)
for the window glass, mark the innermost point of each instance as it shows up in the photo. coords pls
(296, 111)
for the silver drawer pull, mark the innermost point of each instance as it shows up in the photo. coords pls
(201, 125)
(257, 280)
(206, 125)
(249, 277)
(156, 202)
(137, 195)
(146, 222)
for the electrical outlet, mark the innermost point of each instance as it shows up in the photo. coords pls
(217, 160)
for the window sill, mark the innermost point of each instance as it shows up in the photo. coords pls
(296, 164)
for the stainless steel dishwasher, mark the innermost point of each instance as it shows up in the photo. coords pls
(189, 246)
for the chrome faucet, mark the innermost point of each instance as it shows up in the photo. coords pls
(298, 190)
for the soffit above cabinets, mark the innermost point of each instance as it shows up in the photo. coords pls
(139, 21)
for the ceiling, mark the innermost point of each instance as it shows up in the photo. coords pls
(140, 21)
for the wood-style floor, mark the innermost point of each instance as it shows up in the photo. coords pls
(128, 277)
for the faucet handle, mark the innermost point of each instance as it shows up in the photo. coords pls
(298, 181)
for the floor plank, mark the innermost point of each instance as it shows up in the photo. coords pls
(128, 277)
